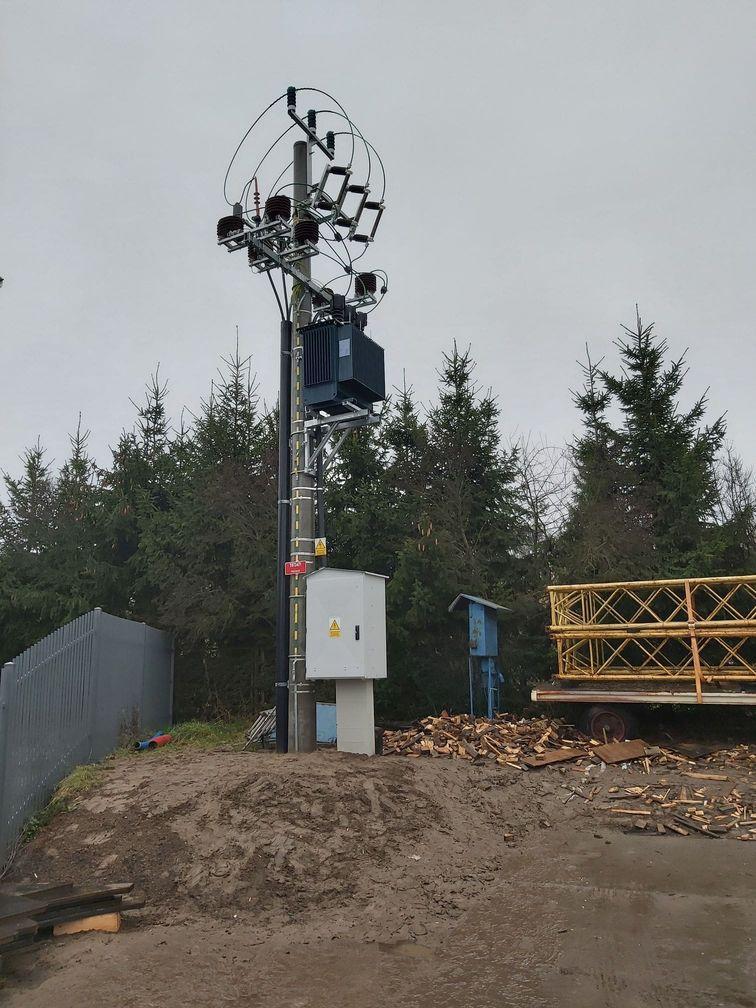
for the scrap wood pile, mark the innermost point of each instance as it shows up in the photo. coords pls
(31, 915)
(665, 806)
(714, 804)
(522, 743)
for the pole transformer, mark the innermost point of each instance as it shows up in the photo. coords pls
(299, 220)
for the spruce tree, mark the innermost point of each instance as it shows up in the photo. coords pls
(209, 558)
(467, 532)
(646, 495)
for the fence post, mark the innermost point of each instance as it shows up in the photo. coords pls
(173, 673)
(94, 676)
(7, 693)
(145, 674)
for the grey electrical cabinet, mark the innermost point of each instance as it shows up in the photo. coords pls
(346, 625)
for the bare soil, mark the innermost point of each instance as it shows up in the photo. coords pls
(340, 880)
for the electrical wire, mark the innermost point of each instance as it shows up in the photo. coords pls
(262, 159)
(336, 257)
(233, 157)
(278, 299)
(271, 193)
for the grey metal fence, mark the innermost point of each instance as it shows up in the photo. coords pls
(71, 699)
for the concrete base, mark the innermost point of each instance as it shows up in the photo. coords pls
(355, 719)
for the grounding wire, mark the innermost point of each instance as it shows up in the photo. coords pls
(233, 157)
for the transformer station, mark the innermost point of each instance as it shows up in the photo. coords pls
(331, 373)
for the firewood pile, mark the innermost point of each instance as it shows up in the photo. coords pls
(504, 739)
(697, 801)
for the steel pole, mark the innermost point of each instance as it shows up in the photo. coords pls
(282, 582)
(302, 735)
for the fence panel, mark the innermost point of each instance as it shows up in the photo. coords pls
(70, 699)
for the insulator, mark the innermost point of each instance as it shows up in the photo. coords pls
(331, 141)
(227, 226)
(311, 120)
(291, 97)
(278, 208)
(365, 283)
(306, 230)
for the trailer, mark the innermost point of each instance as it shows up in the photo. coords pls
(629, 643)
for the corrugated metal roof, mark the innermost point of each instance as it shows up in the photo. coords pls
(463, 600)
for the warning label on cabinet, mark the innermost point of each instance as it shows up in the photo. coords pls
(334, 627)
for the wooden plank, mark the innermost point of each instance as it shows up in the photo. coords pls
(551, 756)
(620, 752)
(39, 902)
(627, 811)
(109, 923)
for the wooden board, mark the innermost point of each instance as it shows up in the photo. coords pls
(29, 916)
(620, 752)
(551, 756)
(110, 923)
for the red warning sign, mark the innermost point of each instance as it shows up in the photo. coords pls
(292, 567)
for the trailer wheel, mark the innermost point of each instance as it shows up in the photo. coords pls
(609, 722)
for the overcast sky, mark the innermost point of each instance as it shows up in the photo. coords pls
(549, 164)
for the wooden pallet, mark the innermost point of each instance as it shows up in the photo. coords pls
(33, 914)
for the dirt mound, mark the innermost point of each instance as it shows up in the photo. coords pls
(289, 839)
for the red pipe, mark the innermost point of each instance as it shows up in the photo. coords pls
(159, 740)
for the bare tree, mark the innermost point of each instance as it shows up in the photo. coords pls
(545, 477)
(736, 495)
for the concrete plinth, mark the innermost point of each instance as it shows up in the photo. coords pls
(355, 718)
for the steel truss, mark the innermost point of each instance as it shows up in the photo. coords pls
(700, 629)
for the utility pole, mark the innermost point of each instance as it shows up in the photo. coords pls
(302, 733)
(284, 533)
(278, 242)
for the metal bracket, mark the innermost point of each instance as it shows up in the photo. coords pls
(311, 134)
(335, 425)
(273, 258)
(320, 200)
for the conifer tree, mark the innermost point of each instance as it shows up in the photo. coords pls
(209, 558)
(467, 534)
(646, 487)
